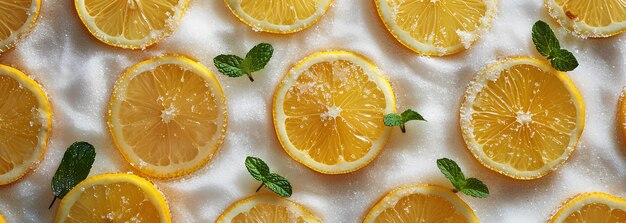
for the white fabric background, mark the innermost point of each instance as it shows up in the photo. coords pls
(78, 73)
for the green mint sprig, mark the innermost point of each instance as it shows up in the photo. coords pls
(261, 172)
(235, 66)
(74, 168)
(548, 46)
(400, 120)
(470, 186)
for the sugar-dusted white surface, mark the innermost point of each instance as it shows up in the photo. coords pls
(78, 72)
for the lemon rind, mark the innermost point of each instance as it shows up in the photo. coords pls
(575, 203)
(178, 169)
(621, 115)
(581, 29)
(391, 199)
(246, 204)
(409, 42)
(493, 72)
(45, 113)
(375, 75)
(151, 192)
(122, 42)
(257, 25)
(23, 31)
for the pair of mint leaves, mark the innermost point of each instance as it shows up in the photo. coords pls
(469, 186)
(261, 172)
(255, 60)
(548, 46)
(400, 120)
(74, 168)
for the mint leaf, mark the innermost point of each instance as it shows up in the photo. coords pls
(258, 57)
(475, 188)
(452, 171)
(229, 65)
(74, 168)
(261, 172)
(278, 184)
(564, 61)
(471, 186)
(257, 168)
(393, 120)
(410, 115)
(400, 120)
(544, 39)
(235, 66)
(548, 45)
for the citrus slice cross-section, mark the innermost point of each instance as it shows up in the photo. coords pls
(421, 204)
(266, 209)
(621, 115)
(279, 16)
(2, 219)
(130, 24)
(25, 124)
(595, 207)
(522, 118)
(114, 198)
(436, 27)
(589, 18)
(168, 116)
(328, 111)
(17, 18)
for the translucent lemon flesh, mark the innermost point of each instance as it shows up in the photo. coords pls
(436, 27)
(130, 24)
(421, 204)
(168, 116)
(595, 207)
(25, 119)
(590, 18)
(279, 16)
(113, 198)
(621, 116)
(266, 209)
(330, 112)
(16, 19)
(522, 119)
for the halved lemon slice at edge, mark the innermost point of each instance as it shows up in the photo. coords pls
(574, 23)
(32, 13)
(603, 204)
(43, 118)
(277, 205)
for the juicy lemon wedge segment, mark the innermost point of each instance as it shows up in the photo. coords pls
(266, 209)
(130, 24)
(17, 18)
(328, 111)
(436, 27)
(594, 207)
(279, 16)
(114, 198)
(589, 18)
(522, 118)
(25, 124)
(421, 204)
(168, 116)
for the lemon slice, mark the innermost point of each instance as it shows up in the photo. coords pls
(595, 207)
(266, 209)
(621, 115)
(114, 198)
(2, 219)
(17, 18)
(328, 111)
(589, 18)
(130, 24)
(436, 27)
(278, 16)
(421, 204)
(522, 118)
(25, 124)
(168, 116)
